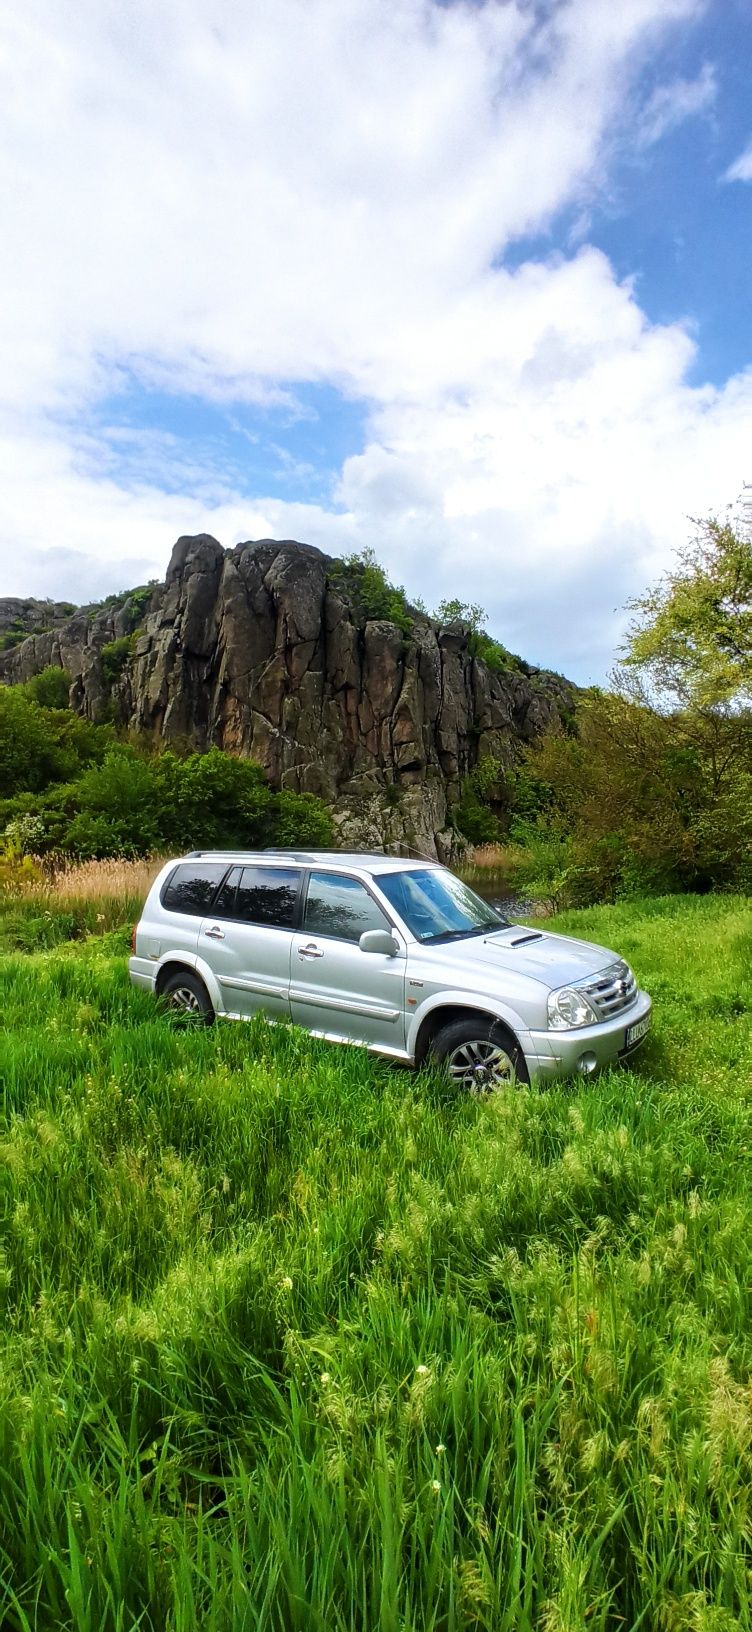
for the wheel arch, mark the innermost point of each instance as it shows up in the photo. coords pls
(173, 962)
(444, 1014)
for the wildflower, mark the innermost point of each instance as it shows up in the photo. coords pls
(421, 1371)
(440, 1449)
(286, 1283)
(435, 1486)
(325, 1377)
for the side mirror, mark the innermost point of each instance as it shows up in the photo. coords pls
(379, 940)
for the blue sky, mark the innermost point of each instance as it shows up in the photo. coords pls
(467, 284)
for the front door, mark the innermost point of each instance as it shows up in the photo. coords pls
(246, 941)
(336, 990)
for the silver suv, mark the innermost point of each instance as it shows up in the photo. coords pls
(397, 956)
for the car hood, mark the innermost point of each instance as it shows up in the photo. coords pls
(553, 960)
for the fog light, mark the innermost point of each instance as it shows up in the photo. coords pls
(587, 1063)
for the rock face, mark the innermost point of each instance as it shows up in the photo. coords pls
(19, 618)
(264, 651)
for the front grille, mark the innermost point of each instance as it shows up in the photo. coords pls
(612, 990)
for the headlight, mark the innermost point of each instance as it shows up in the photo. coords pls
(568, 1009)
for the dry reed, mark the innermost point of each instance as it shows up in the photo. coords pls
(112, 879)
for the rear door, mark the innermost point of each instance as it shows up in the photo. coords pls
(246, 940)
(336, 990)
(186, 896)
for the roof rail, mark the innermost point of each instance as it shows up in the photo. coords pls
(293, 855)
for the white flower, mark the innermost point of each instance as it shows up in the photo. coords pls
(286, 1284)
(435, 1486)
(325, 1377)
(421, 1371)
(440, 1449)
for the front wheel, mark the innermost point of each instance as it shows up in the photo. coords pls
(184, 996)
(479, 1055)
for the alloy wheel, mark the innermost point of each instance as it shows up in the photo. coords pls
(184, 1002)
(480, 1066)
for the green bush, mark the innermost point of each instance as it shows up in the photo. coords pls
(640, 803)
(50, 688)
(133, 803)
(474, 814)
(479, 642)
(362, 578)
(114, 656)
(31, 752)
(39, 745)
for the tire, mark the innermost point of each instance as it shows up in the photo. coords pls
(479, 1055)
(185, 998)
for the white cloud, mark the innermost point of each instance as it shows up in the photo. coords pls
(741, 169)
(234, 199)
(674, 102)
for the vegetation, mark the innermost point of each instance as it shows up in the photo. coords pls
(114, 655)
(362, 578)
(650, 788)
(44, 906)
(480, 643)
(74, 788)
(294, 1340)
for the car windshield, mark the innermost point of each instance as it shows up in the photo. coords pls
(436, 906)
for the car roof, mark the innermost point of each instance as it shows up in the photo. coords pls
(365, 861)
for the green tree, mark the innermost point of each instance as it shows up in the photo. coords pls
(30, 751)
(691, 639)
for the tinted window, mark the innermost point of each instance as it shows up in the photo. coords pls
(224, 906)
(342, 907)
(267, 895)
(192, 886)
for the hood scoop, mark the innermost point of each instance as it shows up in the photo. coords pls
(523, 940)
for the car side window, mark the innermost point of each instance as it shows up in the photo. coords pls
(193, 886)
(224, 906)
(267, 895)
(341, 907)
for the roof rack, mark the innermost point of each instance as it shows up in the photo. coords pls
(293, 855)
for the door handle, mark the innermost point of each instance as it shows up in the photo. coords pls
(310, 952)
(215, 934)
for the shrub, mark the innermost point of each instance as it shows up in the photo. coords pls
(365, 581)
(474, 815)
(114, 656)
(50, 688)
(30, 751)
(132, 804)
(479, 642)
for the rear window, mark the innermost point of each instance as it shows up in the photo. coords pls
(193, 886)
(267, 895)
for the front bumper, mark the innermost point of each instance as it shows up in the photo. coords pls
(591, 1048)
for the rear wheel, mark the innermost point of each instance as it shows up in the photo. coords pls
(184, 996)
(479, 1055)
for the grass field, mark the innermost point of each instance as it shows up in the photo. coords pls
(294, 1340)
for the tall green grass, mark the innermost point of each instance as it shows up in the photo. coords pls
(292, 1339)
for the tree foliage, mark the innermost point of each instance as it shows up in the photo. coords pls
(71, 786)
(652, 791)
(691, 639)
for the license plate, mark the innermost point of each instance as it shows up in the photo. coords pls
(635, 1032)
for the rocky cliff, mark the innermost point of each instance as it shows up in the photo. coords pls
(266, 651)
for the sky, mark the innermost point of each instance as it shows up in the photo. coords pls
(466, 282)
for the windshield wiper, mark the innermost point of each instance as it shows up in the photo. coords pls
(463, 934)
